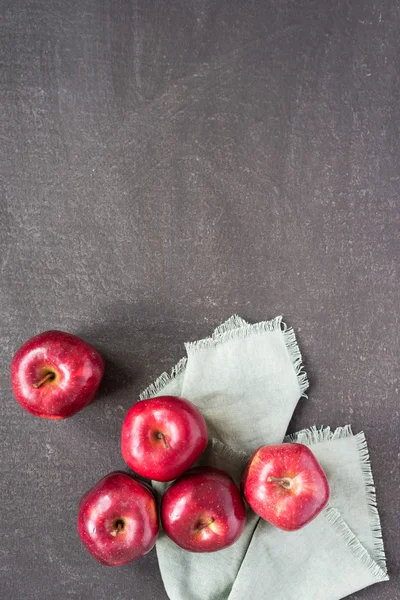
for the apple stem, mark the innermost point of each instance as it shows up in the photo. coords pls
(284, 482)
(47, 377)
(161, 436)
(203, 524)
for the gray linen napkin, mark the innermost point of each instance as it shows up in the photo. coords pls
(246, 380)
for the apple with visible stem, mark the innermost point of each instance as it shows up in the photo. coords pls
(162, 437)
(56, 374)
(203, 510)
(285, 485)
(118, 520)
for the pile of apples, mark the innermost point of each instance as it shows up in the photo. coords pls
(55, 374)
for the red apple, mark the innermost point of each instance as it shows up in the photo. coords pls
(117, 520)
(162, 437)
(203, 510)
(285, 485)
(55, 374)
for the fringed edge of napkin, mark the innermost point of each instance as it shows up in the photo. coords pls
(375, 522)
(154, 388)
(341, 528)
(313, 435)
(290, 340)
(221, 449)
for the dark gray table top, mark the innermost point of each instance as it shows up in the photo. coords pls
(165, 164)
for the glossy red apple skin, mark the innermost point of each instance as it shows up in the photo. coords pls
(118, 520)
(163, 437)
(203, 510)
(76, 366)
(285, 485)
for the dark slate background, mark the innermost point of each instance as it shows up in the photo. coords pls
(165, 164)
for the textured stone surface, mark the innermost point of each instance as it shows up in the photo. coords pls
(164, 165)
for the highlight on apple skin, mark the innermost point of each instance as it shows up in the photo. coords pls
(56, 374)
(162, 437)
(203, 510)
(118, 519)
(285, 485)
